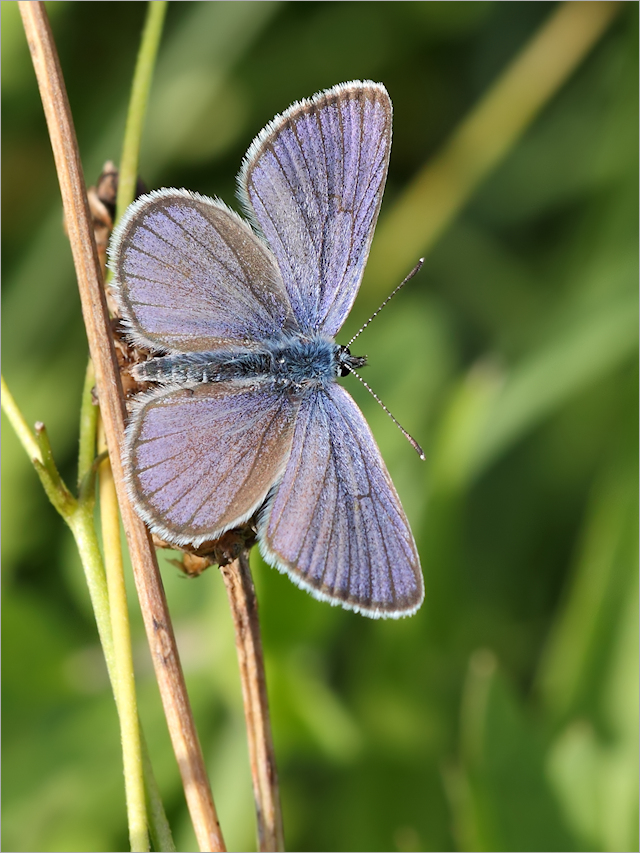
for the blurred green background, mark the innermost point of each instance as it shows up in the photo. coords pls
(504, 715)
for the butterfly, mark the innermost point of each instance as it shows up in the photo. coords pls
(245, 414)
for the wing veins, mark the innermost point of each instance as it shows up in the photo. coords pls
(333, 517)
(376, 506)
(223, 479)
(148, 254)
(208, 250)
(255, 456)
(317, 500)
(319, 250)
(285, 254)
(293, 479)
(373, 170)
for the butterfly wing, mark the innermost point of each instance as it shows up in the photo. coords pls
(201, 460)
(335, 524)
(312, 181)
(190, 276)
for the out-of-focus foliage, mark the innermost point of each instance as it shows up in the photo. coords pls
(503, 716)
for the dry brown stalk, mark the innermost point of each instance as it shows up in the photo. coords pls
(244, 609)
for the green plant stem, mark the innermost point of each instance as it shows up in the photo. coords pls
(88, 427)
(158, 824)
(82, 525)
(19, 424)
(83, 522)
(39, 451)
(123, 677)
(142, 77)
(78, 514)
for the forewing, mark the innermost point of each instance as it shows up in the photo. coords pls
(201, 460)
(313, 181)
(335, 524)
(190, 275)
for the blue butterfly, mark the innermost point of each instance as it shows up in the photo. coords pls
(246, 414)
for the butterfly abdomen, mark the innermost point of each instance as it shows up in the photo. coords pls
(195, 368)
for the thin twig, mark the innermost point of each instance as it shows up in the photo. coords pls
(140, 87)
(148, 582)
(244, 609)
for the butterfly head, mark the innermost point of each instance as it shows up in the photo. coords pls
(347, 363)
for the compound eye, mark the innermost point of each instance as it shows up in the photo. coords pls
(343, 357)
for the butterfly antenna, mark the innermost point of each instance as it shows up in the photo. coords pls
(409, 438)
(388, 299)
